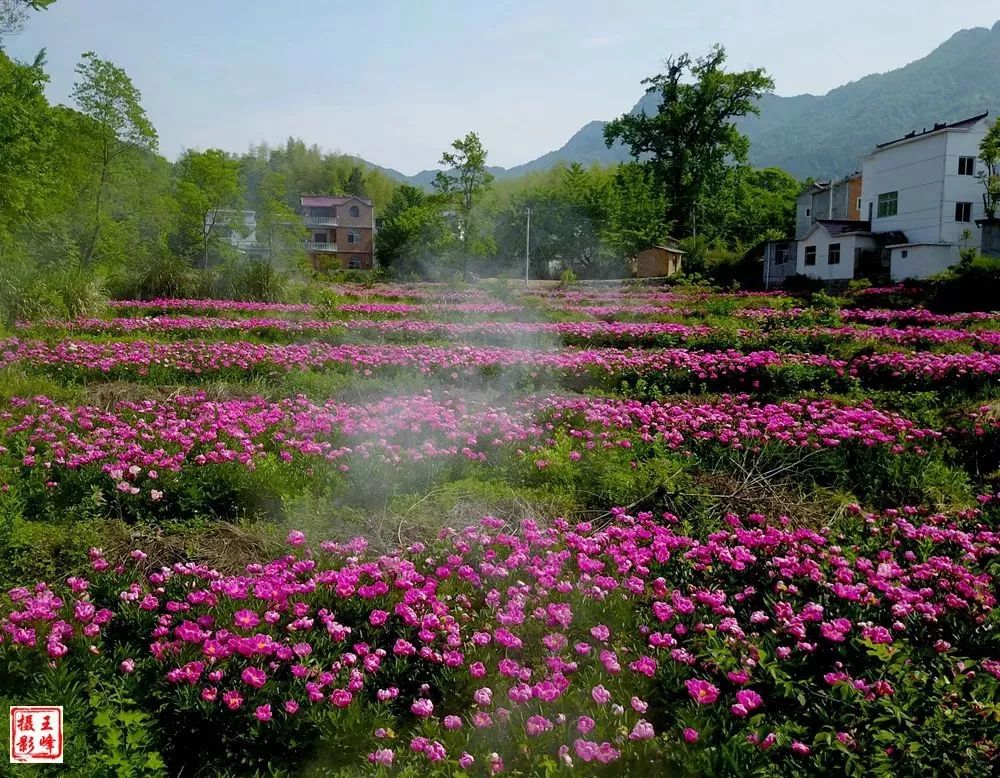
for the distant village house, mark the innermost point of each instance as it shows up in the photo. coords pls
(658, 261)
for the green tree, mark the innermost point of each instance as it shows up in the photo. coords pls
(278, 226)
(989, 155)
(462, 184)
(207, 188)
(743, 204)
(692, 137)
(355, 182)
(635, 211)
(413, 231)
(106, 95)
(25, 142)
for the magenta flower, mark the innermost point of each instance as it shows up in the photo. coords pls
(246, 619)
(263, 713)
(642, 730)
(600, 695)
(701, 691)
(600, 632)
(483, 696)
(690, 735)
(383, 756)
(341, 698)
(422, 707)
(254, 676)
(749, 699)
(536, 725)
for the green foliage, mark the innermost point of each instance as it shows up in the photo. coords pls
(355, 184)
(970, 286)
(413, 232)
(692, 138)
(989, 155)
(635, 213)
(29, 292)
(207, 190)
(278, 226)
(119, 130)
(162, 275)
(462, 184)
(25, 142)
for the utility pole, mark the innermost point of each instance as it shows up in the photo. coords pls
(527, 245)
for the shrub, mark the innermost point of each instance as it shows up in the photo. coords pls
(802, 283)
(567, 278)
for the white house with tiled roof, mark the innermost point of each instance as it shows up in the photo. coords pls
(924, 185)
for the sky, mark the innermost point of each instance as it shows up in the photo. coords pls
(395, 81)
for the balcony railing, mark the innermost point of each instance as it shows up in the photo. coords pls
(311, 246)
(250, 245)
(321, 221)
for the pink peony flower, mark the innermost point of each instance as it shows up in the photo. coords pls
(642, 730)
(600, 695)
(383, 756)
(422, 707)
(483, 696)
(701, 691)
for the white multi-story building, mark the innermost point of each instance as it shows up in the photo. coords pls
(925, 186)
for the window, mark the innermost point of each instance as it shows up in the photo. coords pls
(857, 205)
(781, 255)
(810, 255)
(353, 237)
(354, 263)
(963, 212)
(904, 254)
(833, 254)
(888, 204)
(808, 211)
(355, 211)
(321, 213)
(870, 211)
(319, 237)
(966, 166)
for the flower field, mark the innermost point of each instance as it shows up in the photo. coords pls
(440, 530)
